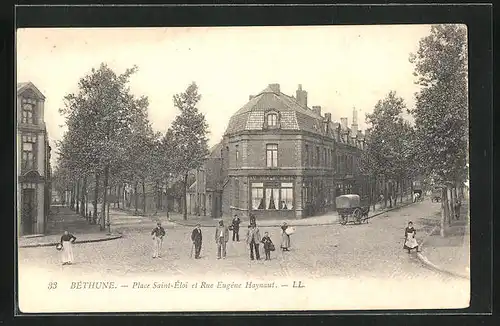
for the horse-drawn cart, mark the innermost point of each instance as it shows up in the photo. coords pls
(350, 210)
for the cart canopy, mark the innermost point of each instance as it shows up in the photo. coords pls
(347, 201)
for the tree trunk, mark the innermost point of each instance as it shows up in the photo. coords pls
(104, 197)
(119, 194)
(157, 196)
(144, 196)
(96, 195)
(136, 198)
(373, 190)
(83, 209)
(72, 203)
(184, 201)
(443, 211)
(77, 196)
(452, 205)
(385, 192)
(166, 197)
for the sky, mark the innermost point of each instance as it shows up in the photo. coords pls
(341, 67)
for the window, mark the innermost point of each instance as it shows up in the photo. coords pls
(274, 197)
(28, 115)
(237, 154)
(258, 196)
(236, 202)
(286, 196)
(272, 120)
(28, 152)
(272, 155)
(317, 156)
(324, 156)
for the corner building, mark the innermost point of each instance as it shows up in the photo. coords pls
(278, 159)
(33, 162)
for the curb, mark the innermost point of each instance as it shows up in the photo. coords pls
(311, 224)
(431, 265)
(114, 237)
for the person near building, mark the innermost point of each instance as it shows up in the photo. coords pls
(197, 238)
(458, 205)
(67, 241)
(252, 219)
(253, 239)
(410, 241)
(285, 237)
(158, 233)
(268, 245)
(221, 238)
(236, 228)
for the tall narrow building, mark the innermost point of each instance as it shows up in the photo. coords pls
(32, 161)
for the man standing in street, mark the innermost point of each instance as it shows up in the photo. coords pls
(253, 240)
(196, 237)
(236, 228)
(221, 238)
(158, 233)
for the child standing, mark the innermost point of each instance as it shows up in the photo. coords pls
(268, 245)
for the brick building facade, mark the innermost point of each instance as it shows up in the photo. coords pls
(280, 159)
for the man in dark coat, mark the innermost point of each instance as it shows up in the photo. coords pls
(236, 228)
(196, 237)
(158, 233)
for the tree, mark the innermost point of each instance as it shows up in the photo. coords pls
(441, 110)
(99, 118)
(189, 136)
(388, 152)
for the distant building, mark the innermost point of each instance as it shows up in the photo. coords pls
(279, 159)
(33, 161)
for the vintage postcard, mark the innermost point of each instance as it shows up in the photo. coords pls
(242, 168)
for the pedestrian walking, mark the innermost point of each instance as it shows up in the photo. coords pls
(253, 239)
(158, 233)
(268, 245)
(410, 241)
(285, 237)
(221, 238)
(236, 227)
(458, 205)
(67, 241)
(196, 237)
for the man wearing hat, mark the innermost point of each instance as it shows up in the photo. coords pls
(158, 233)
(221, 238)
(236, 227)
(196, 237)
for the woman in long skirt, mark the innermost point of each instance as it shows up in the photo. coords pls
(285, 238)
(410, 241)
(67, 241)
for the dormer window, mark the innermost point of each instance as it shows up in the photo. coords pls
(272, 120)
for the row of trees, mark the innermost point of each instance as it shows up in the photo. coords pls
(434, 148)
(110, 144)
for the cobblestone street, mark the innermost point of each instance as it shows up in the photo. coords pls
(365, 259)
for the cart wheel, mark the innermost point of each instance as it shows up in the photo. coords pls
(343, 219)
(357, 215)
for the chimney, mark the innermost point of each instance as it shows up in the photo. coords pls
(317, 109)
(343, 123)
(328, 117)
(275, 88)
(250, 97)
(301, 96)
(354, 125)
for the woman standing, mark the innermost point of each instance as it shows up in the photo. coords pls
(67, 241)
(285, 238)
(410, 241)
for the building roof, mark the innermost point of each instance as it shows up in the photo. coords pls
(292, 115)
(21, 87)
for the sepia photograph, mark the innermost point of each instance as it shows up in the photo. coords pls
(256, 168)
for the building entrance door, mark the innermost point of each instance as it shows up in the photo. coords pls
(28, 211)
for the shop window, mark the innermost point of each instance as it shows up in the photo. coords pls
(258, 196)
(286, 196)
(273, 197)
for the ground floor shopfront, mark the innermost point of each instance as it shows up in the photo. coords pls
(285, 196)
(33, 204)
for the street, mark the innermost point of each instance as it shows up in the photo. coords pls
(364, 256)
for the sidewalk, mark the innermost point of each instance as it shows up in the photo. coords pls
(326, 219)
(449, 254)
(63, 218)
